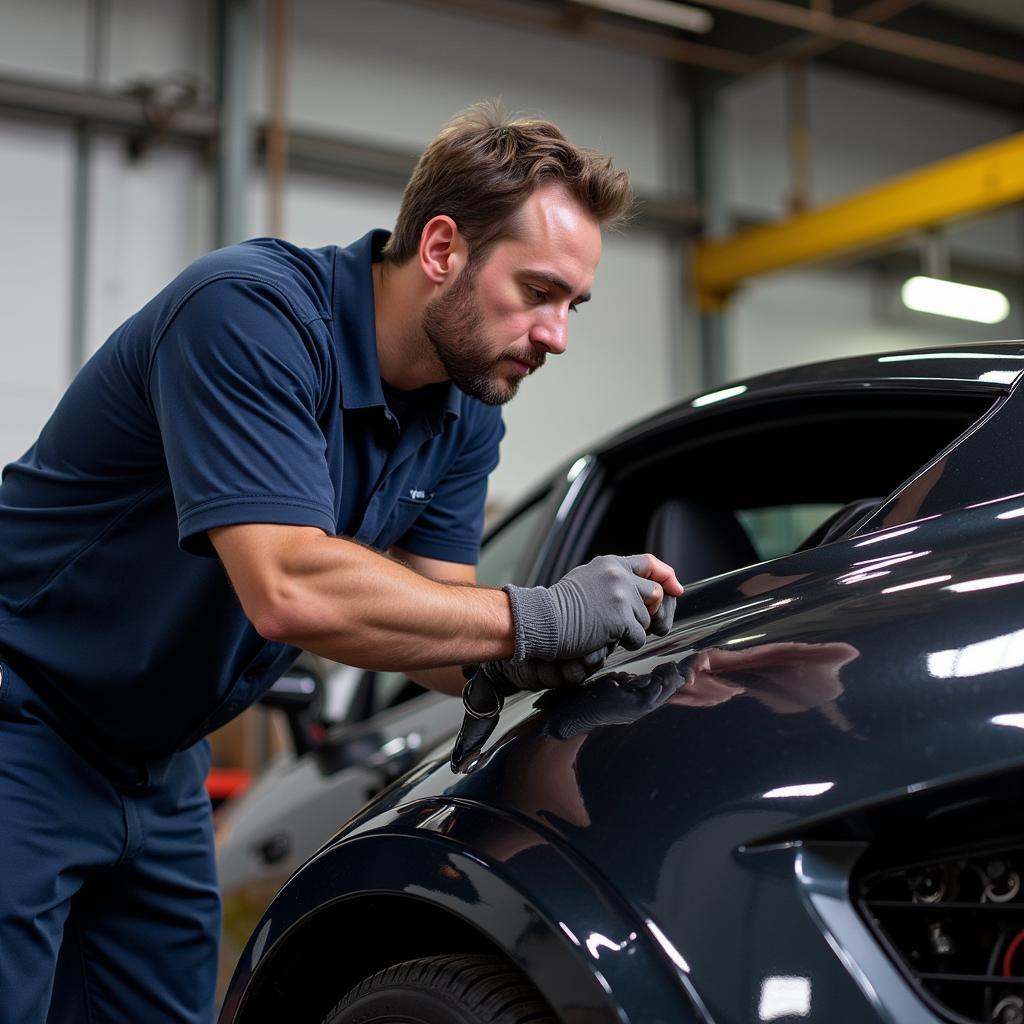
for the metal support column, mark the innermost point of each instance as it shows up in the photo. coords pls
(236, 138)
(276, 134)
(81, 181)
(710, 180)
(99, 22)
(685, 361)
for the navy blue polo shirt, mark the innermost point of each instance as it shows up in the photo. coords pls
(247, 391)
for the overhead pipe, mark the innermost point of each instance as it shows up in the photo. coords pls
(329, 156)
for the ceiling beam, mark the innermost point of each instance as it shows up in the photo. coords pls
(576, 21)
(846, 30)
(971, 183)
(807, 46)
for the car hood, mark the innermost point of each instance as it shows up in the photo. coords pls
(851, 675)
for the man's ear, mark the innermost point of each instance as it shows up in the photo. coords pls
(442, 251)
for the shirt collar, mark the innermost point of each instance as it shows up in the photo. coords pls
(355, 332)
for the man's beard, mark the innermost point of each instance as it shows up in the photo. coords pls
(453, 324)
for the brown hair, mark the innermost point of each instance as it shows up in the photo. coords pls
(482, 167)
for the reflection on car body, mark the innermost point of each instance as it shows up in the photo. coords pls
(801, 803)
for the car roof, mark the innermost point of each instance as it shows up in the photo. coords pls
(980, 368)
(995, 363)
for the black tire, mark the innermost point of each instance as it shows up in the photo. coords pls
(458, 989)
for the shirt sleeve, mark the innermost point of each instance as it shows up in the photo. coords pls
(450, 527)
(235, 382)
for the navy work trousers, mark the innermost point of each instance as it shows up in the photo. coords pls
(109, 908)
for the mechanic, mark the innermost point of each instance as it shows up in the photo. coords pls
(218, 487)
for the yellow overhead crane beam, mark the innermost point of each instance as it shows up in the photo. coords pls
(971, 183)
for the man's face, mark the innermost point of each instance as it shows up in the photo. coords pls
(498, 321)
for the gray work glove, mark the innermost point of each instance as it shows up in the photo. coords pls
(490, 683)
(590, 608)
(510, 676)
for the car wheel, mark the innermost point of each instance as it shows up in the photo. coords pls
(461, 989)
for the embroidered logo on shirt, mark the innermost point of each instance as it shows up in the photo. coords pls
(419, 495)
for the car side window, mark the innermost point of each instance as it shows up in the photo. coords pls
(712, 491)
(778, 529)
(500, 554)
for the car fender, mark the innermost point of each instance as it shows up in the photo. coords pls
(545, 911)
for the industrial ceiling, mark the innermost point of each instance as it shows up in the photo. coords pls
(973, 49)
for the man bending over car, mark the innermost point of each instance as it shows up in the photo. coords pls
(218, 488)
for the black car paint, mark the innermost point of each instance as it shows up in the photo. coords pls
(671, 868)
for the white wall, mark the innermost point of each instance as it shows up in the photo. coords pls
(44, 38)
(35, 214)
(147, 217)
(394, 72)
(149, 39)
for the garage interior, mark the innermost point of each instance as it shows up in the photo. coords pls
(796, 161)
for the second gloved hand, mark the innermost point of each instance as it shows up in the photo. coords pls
(592, 607)
(510, 676)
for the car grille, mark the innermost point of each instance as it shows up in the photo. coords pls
(954, 923)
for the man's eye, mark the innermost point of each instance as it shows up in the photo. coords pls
(573, 308)
(536, 294)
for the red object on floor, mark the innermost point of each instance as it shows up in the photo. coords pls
(223, 783)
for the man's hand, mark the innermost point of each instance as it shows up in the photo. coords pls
(508, 677)
(610, 600)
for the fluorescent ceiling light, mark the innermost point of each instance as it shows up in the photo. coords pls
(962, 301)
(661, 12)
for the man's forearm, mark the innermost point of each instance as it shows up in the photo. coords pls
(346, 602)
(444, 680)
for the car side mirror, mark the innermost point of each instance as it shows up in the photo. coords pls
(299, 694)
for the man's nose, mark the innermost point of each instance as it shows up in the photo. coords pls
(552, 333)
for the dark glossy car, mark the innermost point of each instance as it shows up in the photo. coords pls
(804, 804)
